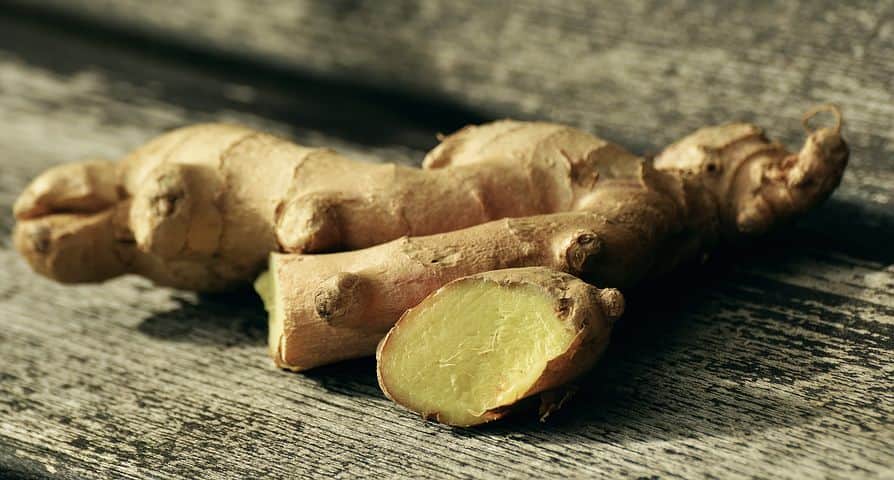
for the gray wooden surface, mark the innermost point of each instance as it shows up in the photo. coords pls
(774, 362)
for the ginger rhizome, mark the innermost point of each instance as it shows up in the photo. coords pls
(478, 346)
(634, 221)
(203, 207)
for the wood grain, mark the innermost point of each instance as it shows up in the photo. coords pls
(644, 71)
(774, 362)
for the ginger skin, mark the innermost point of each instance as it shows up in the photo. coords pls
(720, 184)
(203, 207)
(200, 208)
(473, 350)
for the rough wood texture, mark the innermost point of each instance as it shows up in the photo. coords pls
(621, 67)
(774, 363)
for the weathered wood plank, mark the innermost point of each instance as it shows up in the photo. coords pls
(779, 367)
(643, 71)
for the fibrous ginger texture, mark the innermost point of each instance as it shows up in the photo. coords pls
(201, 207)
(482, 343)
(630, 221)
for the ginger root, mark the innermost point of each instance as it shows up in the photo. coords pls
(632, 222)
(201, 207)
(477, 346)
(473, 350)
(204, 207)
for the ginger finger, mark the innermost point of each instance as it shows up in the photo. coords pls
(84, 187)
(635, 222)
(220, 198)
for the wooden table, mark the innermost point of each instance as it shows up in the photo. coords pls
(773, 362)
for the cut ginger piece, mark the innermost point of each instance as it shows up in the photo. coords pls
(266, 287)
(473, 349)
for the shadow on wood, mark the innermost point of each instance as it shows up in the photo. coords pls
(730, 322)
(760, 345)
(349, 378)
(229, 319)
(642, 386)
(220, 81)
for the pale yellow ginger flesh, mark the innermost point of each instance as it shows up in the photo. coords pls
(266, 287)
(475, 348)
